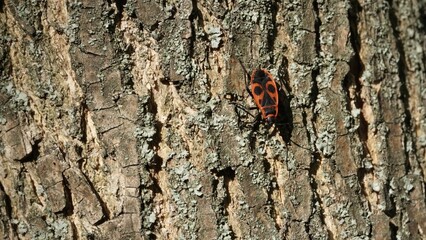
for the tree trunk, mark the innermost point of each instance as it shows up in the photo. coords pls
(126, 119)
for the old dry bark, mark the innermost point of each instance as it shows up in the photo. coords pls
(114, 121)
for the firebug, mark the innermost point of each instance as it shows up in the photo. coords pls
(263, 89)
(271, 98)
(265, 94)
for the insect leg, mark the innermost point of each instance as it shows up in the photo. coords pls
(257, 119)
(285, 87)
(285, 134)
(300, 145)
(244, 108)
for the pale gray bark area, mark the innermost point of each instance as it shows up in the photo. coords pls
(114, 122)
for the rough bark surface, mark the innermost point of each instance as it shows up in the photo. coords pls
(114, 121)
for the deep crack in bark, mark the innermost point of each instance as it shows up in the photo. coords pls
(34, 154)
(405, 95)
(228, 175)
(315, 162)
(7, 202)
(68, 209)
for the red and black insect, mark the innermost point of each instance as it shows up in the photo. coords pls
(265, 94)
(263, 89)
(271, 98)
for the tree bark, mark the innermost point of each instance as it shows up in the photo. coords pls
(116, 120)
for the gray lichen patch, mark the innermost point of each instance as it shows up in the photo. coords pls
(214, 34)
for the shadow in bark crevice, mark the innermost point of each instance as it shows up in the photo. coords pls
(390, 207)
(394, 231)
(68, 209)
(119, 4)
(405, 93)
(228, 175)
(34, 154)
(7, 201)
(273, 186)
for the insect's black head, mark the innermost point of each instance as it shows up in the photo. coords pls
(270, 114)
(270, 120)
(259, 74)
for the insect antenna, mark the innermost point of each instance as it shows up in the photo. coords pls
(245, 70)
(247, 78)
(299, 145)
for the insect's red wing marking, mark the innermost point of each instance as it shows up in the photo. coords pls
(258, 92)
(261, 86)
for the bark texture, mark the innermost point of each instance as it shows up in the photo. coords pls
(114, 122)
